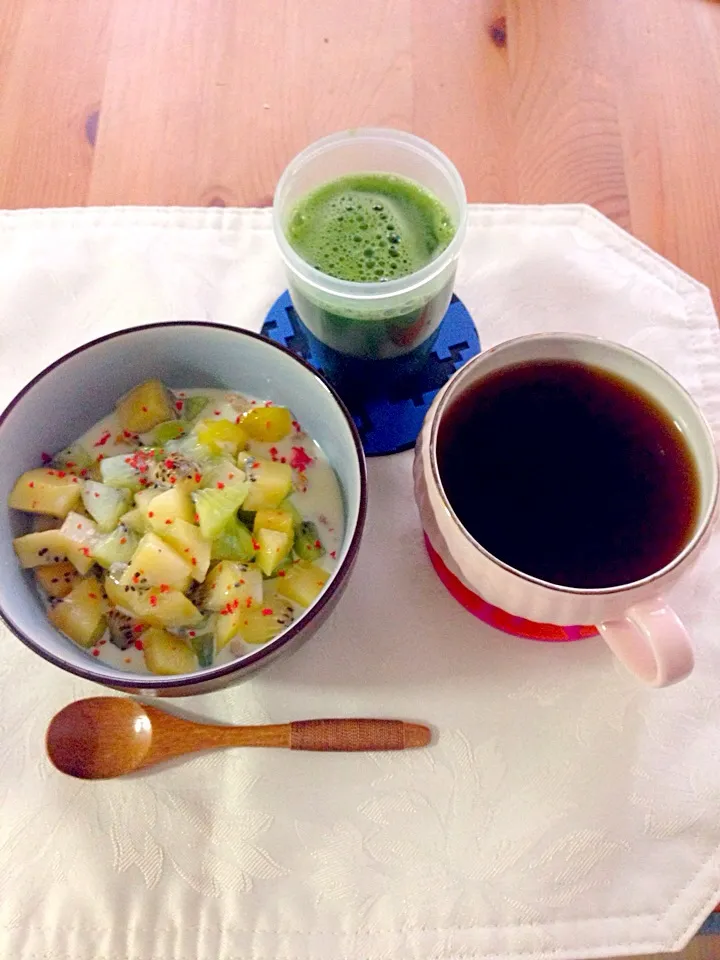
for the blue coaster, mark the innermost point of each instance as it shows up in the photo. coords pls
(388, 419)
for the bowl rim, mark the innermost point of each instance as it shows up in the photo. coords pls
(137, 681)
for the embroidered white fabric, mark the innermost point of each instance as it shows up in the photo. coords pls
(564, 812)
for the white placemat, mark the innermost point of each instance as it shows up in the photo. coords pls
(565, 811)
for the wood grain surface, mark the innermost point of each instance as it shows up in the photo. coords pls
(537, 101)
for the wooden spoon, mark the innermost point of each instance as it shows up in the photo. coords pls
(104, 737)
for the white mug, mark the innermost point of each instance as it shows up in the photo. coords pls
(637, 624)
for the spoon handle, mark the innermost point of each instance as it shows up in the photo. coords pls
(357, 734)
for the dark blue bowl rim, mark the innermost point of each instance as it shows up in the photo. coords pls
(203, 676)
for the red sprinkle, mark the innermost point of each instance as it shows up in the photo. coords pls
(267, 612)
(153, 600)
(32, 483)
(248, 602)
(217, 413)
(85, 550)
(96, 653)
(168, 521)
(138, 628)
(193, 561)
(70, 464)
(191, 633)
(172, 479)
(169, 464)
(164, 588)
(144, 409)
(235, 603)
(103, 439)
(151, 513)
(220, 485)
(93, 596)
(138, 645)
(178, 404)
(296, 425)
(198, 477)
(333, 554)
(318, 544)
(299, 459)
(256, 545)
(123, 539)
(102, 643)
(61, 474)
(281, 573)
(197, 520)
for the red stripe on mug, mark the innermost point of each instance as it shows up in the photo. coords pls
(500, 619)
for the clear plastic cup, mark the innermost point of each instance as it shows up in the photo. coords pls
(382, 320)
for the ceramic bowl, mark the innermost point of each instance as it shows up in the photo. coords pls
(69, 396)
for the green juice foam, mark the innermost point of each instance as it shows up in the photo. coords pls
(369, 227)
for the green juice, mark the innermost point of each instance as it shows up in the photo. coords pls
(371, 228)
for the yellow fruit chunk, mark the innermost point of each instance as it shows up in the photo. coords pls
(263, 623)
(81, 615)
(187, 540)
(231, 585)
(155, 563)
(46, 491)
(57, 579)
(154, 606)
(268, 424)
(270, 482)
(302, 583)
(166, 507)
(270, 519)
(274, 547)
(51, 546)
(166, 654)
(221, 436)
(145, 406)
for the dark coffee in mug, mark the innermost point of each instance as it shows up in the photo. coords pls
(569, 473)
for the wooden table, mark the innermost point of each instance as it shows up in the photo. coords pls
(611, 102)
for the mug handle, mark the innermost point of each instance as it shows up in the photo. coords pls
(651, 641)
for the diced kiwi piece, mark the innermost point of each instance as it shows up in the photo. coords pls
(57, 579)
(221, 436)
(145, 406)
(194, 406)
(203, 646)
(167, 654)
(153, 606)
(274, 519)
(105, 504)
(270, 482)
(273, 548)
(308, 545)
(222, 472)
(123, 629)
(129, 471)
(156, 563)
(115, 547)
(230, 585)
(215, 507)
(261, 624)
(169, 430)
(187, 540)
(136, 520)
(167, 507)
(268, 424)
(49, 547)
(302, 583)
(234, 543)
(46, 491)
(81, 614)
(73, 459)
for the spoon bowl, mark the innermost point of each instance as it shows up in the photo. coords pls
(103, 737)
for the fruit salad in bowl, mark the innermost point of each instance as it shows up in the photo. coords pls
(197, 527)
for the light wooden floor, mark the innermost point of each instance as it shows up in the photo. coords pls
(611, 102)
